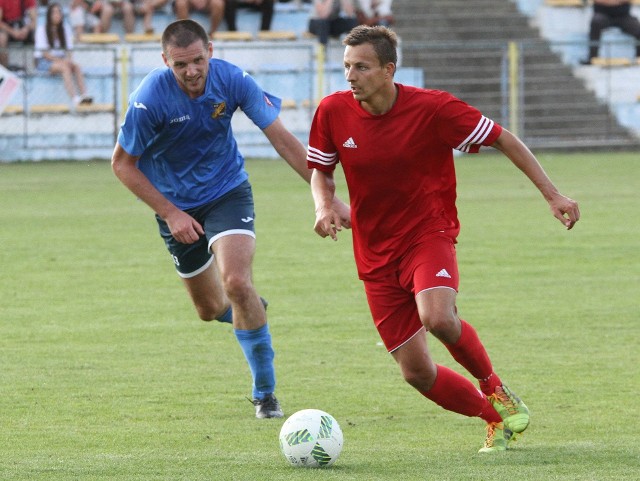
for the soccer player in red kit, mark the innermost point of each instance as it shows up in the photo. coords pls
(395, 145)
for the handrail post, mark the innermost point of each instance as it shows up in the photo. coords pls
(514, 88)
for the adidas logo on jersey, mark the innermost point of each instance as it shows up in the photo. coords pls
(443, 273)
(350, 144)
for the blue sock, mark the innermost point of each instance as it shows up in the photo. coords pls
(226, 317)
(228, 314)
(256, 345)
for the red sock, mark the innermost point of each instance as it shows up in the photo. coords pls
(456, 393)
(471, 354)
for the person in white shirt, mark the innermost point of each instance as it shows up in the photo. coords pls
(53, 47)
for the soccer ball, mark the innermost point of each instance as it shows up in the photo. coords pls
(311, 438)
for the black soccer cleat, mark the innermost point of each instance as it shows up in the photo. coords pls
(268, 407)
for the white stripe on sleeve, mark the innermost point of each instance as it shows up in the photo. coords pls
(478, 135)
(319, 157)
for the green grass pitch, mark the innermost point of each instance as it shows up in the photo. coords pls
(106, 373)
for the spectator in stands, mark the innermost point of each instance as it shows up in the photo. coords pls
(87, 16)
(96, 15)
(215, 9)
(611, 13)
(375, 12)
(53, 46)
(146, 9)
(17, 24)
(332, 18)
(265, 7)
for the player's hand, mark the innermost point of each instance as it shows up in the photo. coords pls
(344, 211)
(566, 210)
(328, 223)
(184, 228)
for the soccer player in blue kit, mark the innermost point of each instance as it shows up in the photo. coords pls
(177, 153)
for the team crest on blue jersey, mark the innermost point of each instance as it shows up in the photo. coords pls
(266, 99)
(219, 110)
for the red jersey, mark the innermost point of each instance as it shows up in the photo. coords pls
(14, 10)
(398, 166)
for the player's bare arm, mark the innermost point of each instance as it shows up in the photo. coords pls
(323, 188)
(288, 147)
(295, 154)
(563, 208)
(184, 228)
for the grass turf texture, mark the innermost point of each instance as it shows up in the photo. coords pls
(107, 374)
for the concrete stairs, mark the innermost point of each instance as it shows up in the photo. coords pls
(461, 45)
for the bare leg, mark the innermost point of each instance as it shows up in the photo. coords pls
(207, 294)
(129, 17)
(64, 68)
(79, 76)
(234, 255)
(216, 12)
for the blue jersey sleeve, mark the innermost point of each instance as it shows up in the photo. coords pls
(261, 107)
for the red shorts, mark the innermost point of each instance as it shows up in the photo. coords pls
(391, 296)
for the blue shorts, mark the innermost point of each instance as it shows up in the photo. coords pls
(233, 213)
(43, 65)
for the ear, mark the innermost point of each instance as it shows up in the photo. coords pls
(391, 69)
(210, 49)
(165, 60)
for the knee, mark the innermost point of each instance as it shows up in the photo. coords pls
(66, 67)
(599, 22)
(107, 9)
(439, 321)
(127, 8)
(237, 286)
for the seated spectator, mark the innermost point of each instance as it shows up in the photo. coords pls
(375, 12)
(146, 9)
(87, 16)
(214, 8)
(95, 16)
(53, 46)
(332, 18)
(265, 7)
(17, 24)
(611, 13)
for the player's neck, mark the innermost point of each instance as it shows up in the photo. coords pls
(382, 103)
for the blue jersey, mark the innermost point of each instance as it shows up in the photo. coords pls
(186, 146)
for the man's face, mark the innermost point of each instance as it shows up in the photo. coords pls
(363, 71)
(190, 66)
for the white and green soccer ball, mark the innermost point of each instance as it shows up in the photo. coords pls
(311, 438)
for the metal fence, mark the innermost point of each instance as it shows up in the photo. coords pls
(535, 89)
(540, 90)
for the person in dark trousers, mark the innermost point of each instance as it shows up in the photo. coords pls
(611, 13)
(265, 7)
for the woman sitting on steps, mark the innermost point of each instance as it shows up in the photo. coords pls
(53, 46)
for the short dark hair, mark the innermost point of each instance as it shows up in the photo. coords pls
(183, 33)
(384, 41)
